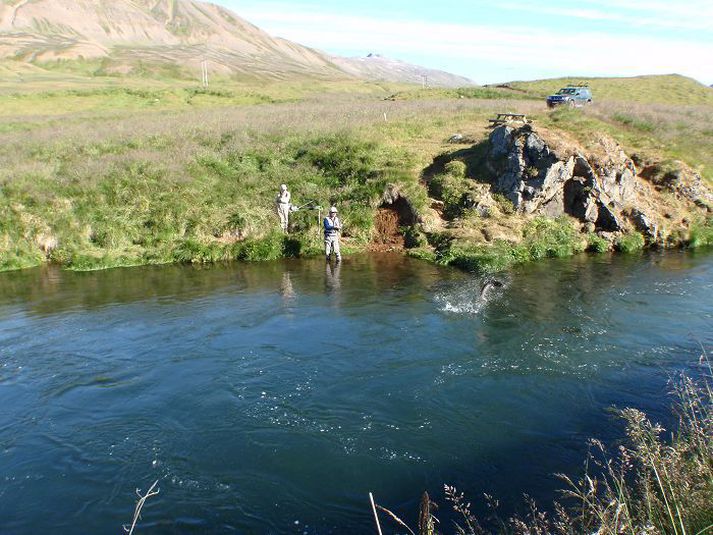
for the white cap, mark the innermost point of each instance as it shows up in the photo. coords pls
(283, 187)
(333, 210)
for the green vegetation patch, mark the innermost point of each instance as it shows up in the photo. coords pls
(541, 238)
(480, 93)
(630, 243)
(701, 234)
(93, 212)
(658, 89)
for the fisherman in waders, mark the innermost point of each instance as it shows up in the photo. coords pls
(283, 206)
(332, 227)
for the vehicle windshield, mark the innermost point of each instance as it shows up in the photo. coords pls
(566, 91)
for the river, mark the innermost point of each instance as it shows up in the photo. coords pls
(272, 397)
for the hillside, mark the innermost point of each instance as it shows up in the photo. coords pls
(653, 89)
(171, 38)
(180, 32)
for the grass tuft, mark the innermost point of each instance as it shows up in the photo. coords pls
(630, 243)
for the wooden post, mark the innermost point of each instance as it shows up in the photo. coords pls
(204, 73)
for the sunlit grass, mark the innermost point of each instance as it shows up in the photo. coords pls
(671, 89)
(144, 173)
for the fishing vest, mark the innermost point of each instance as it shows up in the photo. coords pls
(330, 230)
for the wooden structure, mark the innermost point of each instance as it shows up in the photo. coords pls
(507, 118)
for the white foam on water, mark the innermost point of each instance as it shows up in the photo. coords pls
(470, 296)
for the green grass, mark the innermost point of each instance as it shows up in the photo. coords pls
(701, 234)
(659, 89)
(630, 243)
(657, 133)
(132, 171)
(597, 244)
(541, 238)
(126, 99)
(480, 93)
(217, 206)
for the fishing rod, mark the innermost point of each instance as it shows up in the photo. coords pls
(311, 205)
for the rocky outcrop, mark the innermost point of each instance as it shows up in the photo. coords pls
(644, 225)
(677, 178)
(596, 189)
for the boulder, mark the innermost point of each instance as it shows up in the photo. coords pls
(645, 225)
(527, 171)
(500, 141)
(538, 180)
(607, 219)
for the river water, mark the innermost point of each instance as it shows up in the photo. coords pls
(271, 398)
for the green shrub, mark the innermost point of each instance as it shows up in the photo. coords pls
(596, 244)
(504, 204)
(553, 238)
(701, 234)
(340, 158)
(422, 253)
(483, 259)
(452, 191)
(197, 252)
(271, 247)
(413, 237)
(456, 169)
(630, 243)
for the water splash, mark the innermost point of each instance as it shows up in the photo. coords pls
(471, 296)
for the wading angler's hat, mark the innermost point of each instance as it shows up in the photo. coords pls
(333, 210)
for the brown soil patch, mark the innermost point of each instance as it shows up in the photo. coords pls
(387, 236)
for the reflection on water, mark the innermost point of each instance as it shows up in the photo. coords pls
(286, 289)
(271, 398)
(332, 279)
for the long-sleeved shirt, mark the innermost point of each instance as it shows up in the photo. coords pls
(331, 226)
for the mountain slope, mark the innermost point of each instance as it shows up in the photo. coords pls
(130, 36)
(374, 67)
(124, 32)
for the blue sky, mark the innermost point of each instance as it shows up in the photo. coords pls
(506, 40)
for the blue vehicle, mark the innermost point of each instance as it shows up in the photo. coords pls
(571, 96)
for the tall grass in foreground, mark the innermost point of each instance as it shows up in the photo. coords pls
(657, 483)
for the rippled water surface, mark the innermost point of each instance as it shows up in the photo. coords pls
(270, 398)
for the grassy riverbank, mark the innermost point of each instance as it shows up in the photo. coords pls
(123, 175)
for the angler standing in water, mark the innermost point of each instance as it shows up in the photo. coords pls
(332, 227)
(283, 206)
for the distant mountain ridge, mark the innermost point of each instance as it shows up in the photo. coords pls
(376, 67)
(182, 33)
